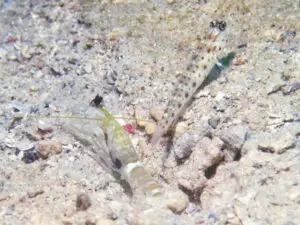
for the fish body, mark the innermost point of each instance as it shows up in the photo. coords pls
(188, 86)
(125, 157)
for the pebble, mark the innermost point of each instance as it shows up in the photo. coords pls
(157, 113)
(44, 127)
(184, 144)
(140, 115)
(203, 127)
(150, 128)
(83, 202)
(29, 157)
(46, 148)
(88, 68)
(275, 84)
(214, 122)
(185, 184)
(177, 201)
(194, 186)
(235, 136)
(181, 128)
(33, 194)
(207, 153)
(278, 143)
(290, 88)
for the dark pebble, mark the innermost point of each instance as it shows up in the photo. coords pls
(83, 202)
(30, 157)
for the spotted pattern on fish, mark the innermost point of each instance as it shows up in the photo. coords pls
(211, 46)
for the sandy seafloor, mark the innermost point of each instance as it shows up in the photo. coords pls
(235, 155)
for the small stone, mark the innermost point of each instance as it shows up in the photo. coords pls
(229, 155)
(88, 68)
(184, 144)
(29, 157)
(45, 148)
(278, 143)
(275, 84)
(213, 122)
(207, 153)
(33, 194)
(170, 2)
(235, 136)
(253, 142)
(150, 128)
(157, 113)
(185, 184)
(290, 88)
(83, 202)
(44, 128)
(181, 128)
(56, 147)
(203, 127)
(140, 116)
(177, 201)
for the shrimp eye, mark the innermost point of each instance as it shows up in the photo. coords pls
(222, 25)
(213, 24)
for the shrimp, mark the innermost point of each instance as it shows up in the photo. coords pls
(125, 157)
(112, 149)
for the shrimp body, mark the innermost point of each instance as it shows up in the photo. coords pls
(125, 157)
